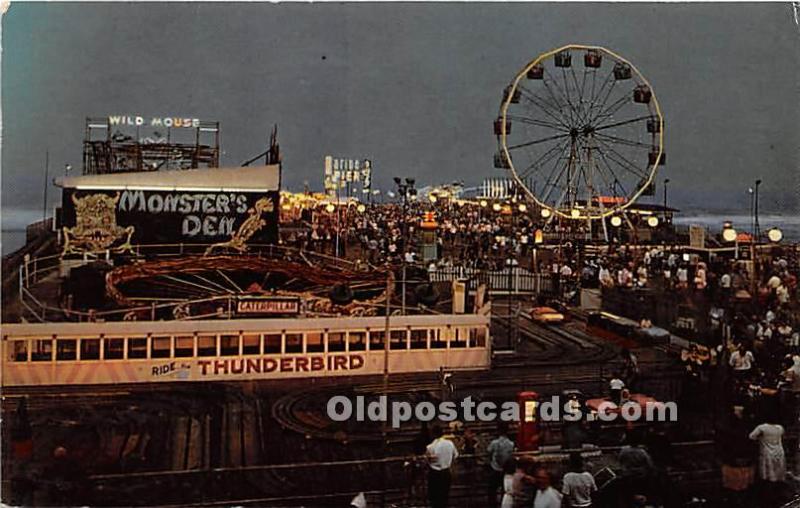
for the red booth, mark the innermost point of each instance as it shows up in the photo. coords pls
(528, 434)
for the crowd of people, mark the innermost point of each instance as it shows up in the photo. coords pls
(516, 479)
(468, 234)
(743, 359)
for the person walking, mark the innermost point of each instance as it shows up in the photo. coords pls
(441, 454)
(578, 485)
(508, 484)
(771, 459)
(499, 452)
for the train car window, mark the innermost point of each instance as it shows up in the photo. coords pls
(42, 350)
(66, 349)
(160, 347)
(460, 338)
(437, 340)
(206, 345)
(113, 349)
(137, 347)
(419, 339)
(397, 339)
(272, 344)
(184, 346)
(477, 337)
(376, 340)
(294, 342)
(314, 343)
(358, 341)
(251, 344)
(336, 341)
(229, 345)
(90, 349)
(18, 350)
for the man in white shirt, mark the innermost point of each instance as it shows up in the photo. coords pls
(615, 387)
(546, 496)
(741, 360)
(440, 453)
(578, 485)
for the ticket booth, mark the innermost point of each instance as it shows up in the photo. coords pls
(528, 434)
(428, 227)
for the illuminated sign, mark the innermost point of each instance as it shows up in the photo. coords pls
(341, 172)
(177, 216)
(157, 121)
(268, 306)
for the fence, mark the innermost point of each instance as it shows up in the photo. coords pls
(510, 280)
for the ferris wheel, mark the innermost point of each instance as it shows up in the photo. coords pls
(581, 137)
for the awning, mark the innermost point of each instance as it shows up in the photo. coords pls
(241, 179)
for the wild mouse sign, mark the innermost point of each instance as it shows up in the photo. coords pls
(171, 216)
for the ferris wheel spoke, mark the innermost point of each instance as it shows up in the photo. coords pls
(598, 167)
(567, 106)
(558, 203)
(602, 126)
(548, 109)
(566, 92)
(595, 97)
(605, 100)
(564, 111)
(621, 160)
(617, 181)
(589, 169)
(579, 90)
(550, 183)
(538, 141)
(625, 141)
(583, 81)
(613, 108)
(542, 160)
(540, 123)
(542, 103)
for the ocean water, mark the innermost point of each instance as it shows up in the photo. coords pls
(788, 223)
(12, 240)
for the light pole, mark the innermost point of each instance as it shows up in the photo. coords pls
(752, 193)
(757, 229)
(406, 190)
(666, 182)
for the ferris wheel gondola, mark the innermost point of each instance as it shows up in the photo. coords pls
(581, 137)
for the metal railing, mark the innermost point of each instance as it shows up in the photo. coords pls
(516, 280)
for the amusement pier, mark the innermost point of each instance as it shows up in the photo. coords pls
(177, 333)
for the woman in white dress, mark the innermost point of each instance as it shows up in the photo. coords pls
(771, 461)
(508, 484)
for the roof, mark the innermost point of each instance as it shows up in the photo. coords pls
(652, 207)
(241, 179)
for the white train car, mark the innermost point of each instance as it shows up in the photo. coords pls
(40, 354)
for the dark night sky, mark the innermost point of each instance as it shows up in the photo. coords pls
(414, 87)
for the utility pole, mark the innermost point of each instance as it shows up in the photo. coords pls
(757, 229)
(385, 427)
(46, 178)
(405, 189)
